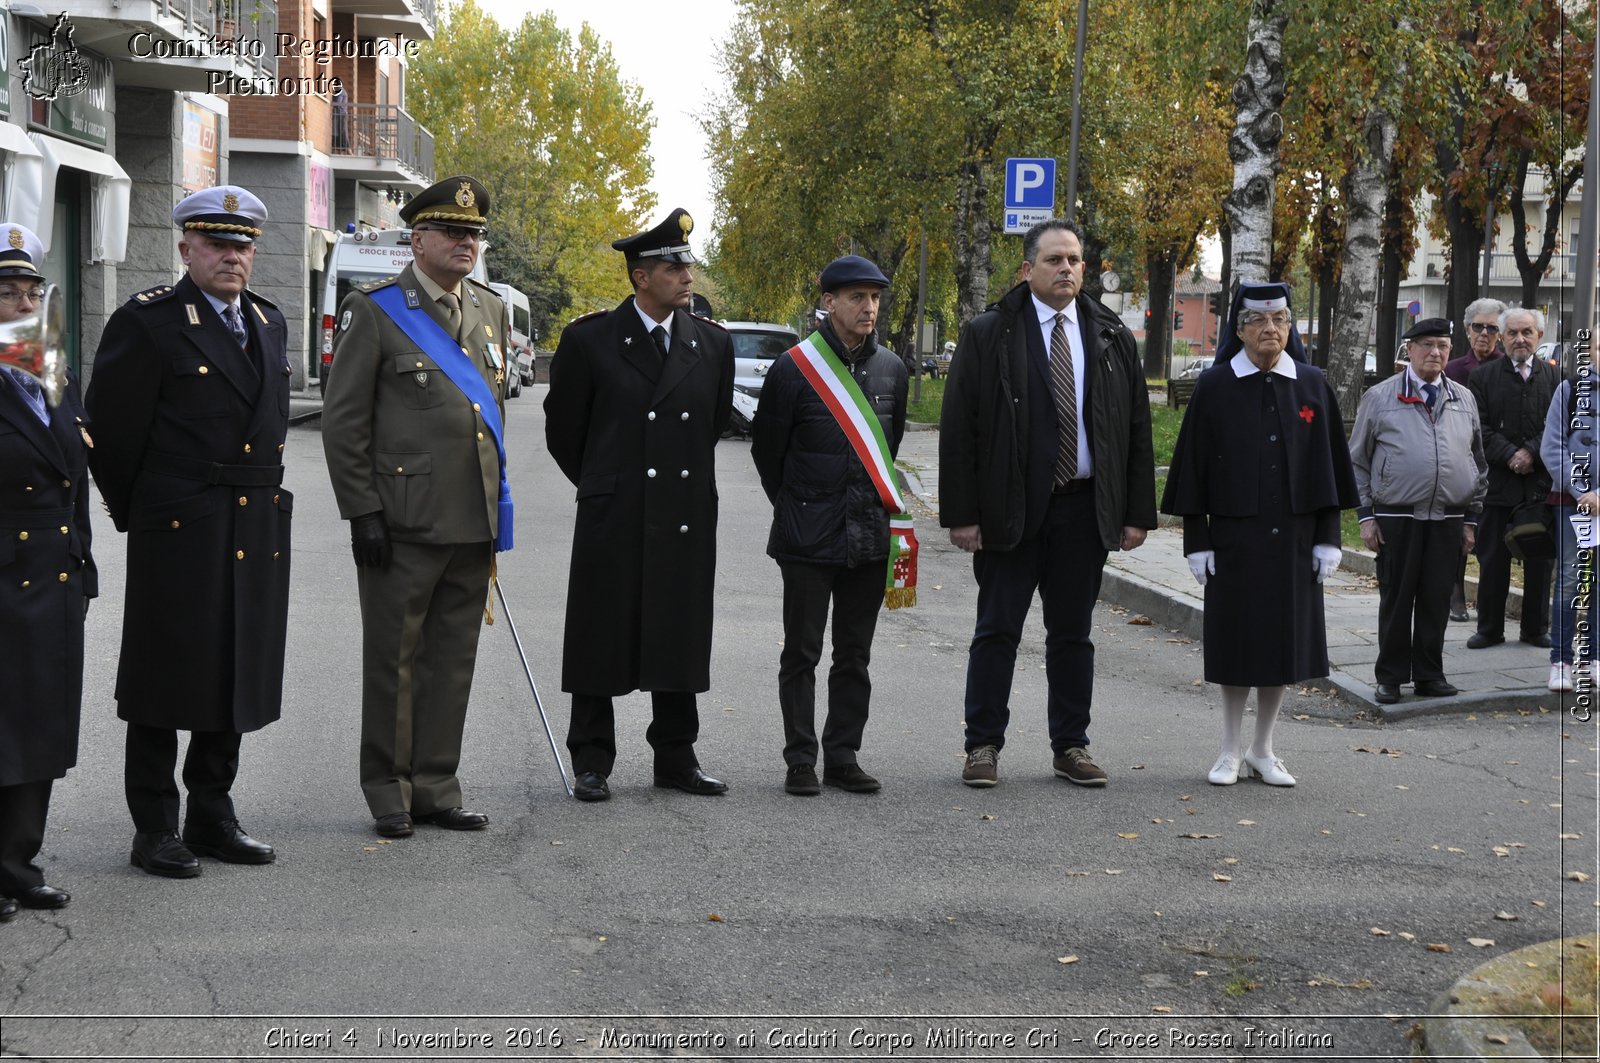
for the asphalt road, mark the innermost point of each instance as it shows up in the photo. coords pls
(858, 918)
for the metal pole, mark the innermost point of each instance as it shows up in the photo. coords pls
(1077, 97)
(922, 292)
(538, 704)
(1488, 244)
(1583, 295)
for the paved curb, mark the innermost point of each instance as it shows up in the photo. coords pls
(1459, 1030)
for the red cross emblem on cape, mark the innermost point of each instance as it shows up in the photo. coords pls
(1307, 414)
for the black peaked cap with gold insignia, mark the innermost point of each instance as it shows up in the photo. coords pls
(458, 200)
(667, 242)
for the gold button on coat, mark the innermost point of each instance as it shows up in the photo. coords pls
(243, 501)
(204, 370)
(23, 536)
(27, 583)
(480, 435)
(175, 524)
(240, 555)
(62, 578)
(247, 448)
(63, 529)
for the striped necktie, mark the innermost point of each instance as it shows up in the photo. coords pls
(235, 322)
(1063, 385)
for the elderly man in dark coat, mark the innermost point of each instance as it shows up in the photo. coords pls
(46, 580)
(638, 398)
(190, 402)
(1259, 475)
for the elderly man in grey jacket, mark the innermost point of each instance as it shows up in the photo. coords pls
(1417, 453)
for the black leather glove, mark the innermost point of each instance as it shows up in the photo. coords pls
(369, 541)
(86, 601)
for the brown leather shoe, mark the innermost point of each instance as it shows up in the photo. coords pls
(1075, 766)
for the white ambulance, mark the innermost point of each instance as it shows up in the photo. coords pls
(361, 258)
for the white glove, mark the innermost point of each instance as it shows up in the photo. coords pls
(1325, 560)
(1202, 563)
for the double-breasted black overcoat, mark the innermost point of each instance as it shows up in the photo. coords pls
(637, 435)
(46, 572)
(189, 432)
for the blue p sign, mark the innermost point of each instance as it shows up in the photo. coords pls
(1030, 184)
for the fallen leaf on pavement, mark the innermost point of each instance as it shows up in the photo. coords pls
(1569, 837)
(1077, 874)
(1066, 959)
(1407, 937)
(986, 816)
(1378, 932)
(1301, 716)
(1438, 947)
(1197, 836)
(1500, 850)
(1217, 876)
(1138, 767)
(1453, 849)
(1385, 751)
(714, 918)
(1181, 642)
(1578, 876)
(1497, 1038)
(1402, 787)
(1538, 904)
(1161, 1008)
(1140, 620)
(369, 848)
(1247, 823)
(1480, 943)
(1506, 917)
(1129, 836)
(1113, 871)
(1230, 860)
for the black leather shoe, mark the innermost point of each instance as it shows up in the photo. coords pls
(692, 781)
(1460, 616)
(801, 780)
(1436, 688)
(590, 786)
(850, 778)
(1480, 639)
(1386, 694)
(394, 825)
(161, 853)
(8, 909)
(43, 897)
(455, 819)
(226, 841)
(1541, 641)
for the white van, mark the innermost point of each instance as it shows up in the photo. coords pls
(519, 343)
(361, 258)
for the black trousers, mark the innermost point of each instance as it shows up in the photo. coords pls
(209, 769)
(857, 596)
(23, 809)
(1494, 579)
(592, 735)
(1416, 565)
(1063, 563)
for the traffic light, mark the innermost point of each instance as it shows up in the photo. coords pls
(1177, 320)
(1217, 304)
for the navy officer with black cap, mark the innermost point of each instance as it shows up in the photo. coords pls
(638, 397)
(50, 577)
(831, 481)
(412, 429)
(189, 400)
(1421, 476)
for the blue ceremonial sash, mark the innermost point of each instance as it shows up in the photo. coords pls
(460, 370)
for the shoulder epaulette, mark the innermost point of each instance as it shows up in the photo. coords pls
(152, 295)
(372, 286)
(589, 316)
(257, 297)
(485, 287)
(708, 321)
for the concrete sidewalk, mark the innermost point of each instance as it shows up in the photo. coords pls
(1155, 580)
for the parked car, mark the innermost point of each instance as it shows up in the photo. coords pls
(755, 345)
(1194, 369)
(1551, 352)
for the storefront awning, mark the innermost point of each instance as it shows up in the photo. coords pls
(22, 165)
(318, 243)
(110, 190)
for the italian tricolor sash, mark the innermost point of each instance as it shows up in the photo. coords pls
(842, 395)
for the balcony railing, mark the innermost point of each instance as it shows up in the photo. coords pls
(1503, 267)
(248, 20)
(383, 131)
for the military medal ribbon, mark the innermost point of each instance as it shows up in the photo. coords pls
(826, 373)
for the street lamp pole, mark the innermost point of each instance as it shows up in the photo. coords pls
(1077, 112)
(1583, 296)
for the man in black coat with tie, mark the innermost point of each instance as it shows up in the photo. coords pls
(190, 402)
(638, 398)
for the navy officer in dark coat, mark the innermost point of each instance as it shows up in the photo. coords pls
(46, 580)
(638, 398)
(1259, 475)
(190, 395)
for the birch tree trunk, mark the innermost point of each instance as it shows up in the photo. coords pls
(1366, 192)
(972, 232)
(1253, 147)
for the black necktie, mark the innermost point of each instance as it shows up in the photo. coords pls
(659, 333)
(1430, 394)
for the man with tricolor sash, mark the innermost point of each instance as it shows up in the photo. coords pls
(832, 413)
(412, 428)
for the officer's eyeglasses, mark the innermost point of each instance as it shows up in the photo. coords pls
(13, 296)
(456, 232)
(1480, 328)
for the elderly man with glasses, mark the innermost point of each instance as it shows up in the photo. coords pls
(1417, 452)
(412, 431)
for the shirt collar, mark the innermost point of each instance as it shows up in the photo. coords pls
(1417, 383)
(1242, 366)
(219, 305)
(1047, 314)
(650, 323)
(433, 288)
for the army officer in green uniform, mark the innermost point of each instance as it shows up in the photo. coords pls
(412, 431)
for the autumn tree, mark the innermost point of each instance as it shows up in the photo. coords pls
(548, 123)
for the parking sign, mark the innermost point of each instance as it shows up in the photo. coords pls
(1030, 192)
